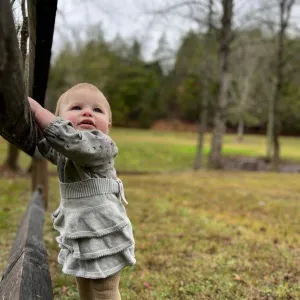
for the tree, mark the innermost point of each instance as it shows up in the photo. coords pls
(215, 160)
(248, 60)
(11, 161)
(275, 20)
(164, 55)
(17, 124)
(285, 7)
(117, 68)
(138, 85)
(203, 115)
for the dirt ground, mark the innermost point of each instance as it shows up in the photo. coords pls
(174, 125)
(258, 164)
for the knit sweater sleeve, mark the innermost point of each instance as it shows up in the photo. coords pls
(86, 148)
(44, 149)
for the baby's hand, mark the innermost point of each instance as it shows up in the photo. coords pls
(34, 105)
(42, 116)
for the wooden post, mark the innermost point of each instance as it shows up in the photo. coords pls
(39, 165)
(41, 15)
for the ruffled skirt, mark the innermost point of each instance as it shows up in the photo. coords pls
(96, 237)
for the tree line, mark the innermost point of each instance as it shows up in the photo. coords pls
(243, 78)
(141, 92)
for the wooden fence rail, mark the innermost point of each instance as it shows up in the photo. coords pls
(27, 275)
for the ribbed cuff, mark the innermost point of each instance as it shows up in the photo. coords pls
(88, 188)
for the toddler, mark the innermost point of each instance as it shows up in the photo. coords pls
(96, 238)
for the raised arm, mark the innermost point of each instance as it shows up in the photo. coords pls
(43, 117)
(86, 148)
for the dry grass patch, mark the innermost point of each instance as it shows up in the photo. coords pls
(207, 235)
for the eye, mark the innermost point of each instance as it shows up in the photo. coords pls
(97, 109)
(76, 107)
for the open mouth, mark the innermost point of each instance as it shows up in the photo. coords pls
(87, 122)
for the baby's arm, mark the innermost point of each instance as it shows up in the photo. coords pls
(86, 148)
(42, 116)
(45, 149)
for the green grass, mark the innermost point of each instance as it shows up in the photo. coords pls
(13, 201)
(152, 151)
(142, 150)
(199, 235)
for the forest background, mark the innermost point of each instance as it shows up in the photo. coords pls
(231, 86)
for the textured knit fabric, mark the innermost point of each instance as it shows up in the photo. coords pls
(101, 289)
(96, 237)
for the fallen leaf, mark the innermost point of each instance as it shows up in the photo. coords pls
(238, 278)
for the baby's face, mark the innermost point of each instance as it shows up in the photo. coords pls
(87, 110)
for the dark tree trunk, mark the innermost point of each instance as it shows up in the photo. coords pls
(205, 94)
(285, 10)
(270, 128)
(12, 159)
(240, 130)
(16, 122)
(219, 128)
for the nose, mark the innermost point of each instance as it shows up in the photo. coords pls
(87, 112)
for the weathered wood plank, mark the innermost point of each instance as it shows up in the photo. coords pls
(16, 122)
(41, 15)
(27, 274)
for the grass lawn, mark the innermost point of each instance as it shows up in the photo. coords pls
(203, 235)
(141, 150)
(154, 151)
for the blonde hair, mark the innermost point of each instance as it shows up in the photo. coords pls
(68, 93)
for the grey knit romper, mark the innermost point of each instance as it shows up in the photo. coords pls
(96, 237)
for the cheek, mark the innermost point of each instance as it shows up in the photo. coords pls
(70, 116)
(102, 123)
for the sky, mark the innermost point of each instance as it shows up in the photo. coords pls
(132, 19)
(135, 19)
(116, 17)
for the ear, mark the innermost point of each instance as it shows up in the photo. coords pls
(109, 125)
